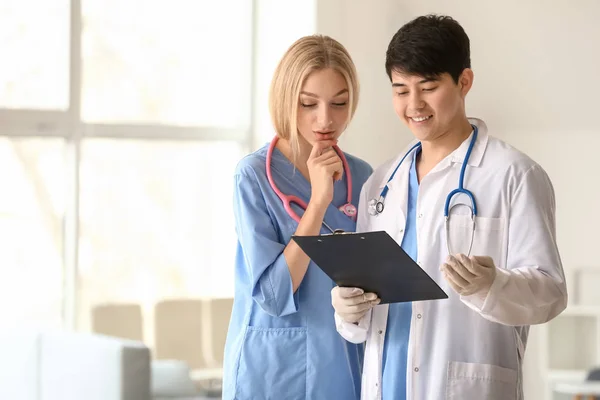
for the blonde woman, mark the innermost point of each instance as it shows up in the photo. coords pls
(282, 341)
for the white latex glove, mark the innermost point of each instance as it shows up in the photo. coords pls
(351, 304)
(469, 275)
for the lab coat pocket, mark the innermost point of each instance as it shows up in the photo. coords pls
(488, 237)
(272, 364)
(480, 381)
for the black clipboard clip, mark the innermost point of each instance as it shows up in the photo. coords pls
(338, 232)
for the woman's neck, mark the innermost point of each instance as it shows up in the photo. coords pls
(301, 159)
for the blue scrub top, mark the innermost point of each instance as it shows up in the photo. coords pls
(395, 348)
(280, 344)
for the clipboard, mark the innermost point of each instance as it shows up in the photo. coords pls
(372, 261)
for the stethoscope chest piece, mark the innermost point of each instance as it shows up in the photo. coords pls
(349, 210)
(376, 206)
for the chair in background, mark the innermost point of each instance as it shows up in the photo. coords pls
(63, 365)
(219, 314)
(594, 377)
(178, 331)
(118, 320)
(587, 390)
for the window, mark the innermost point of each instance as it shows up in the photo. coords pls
(34, 37)
(182, 63)
(32, 207)
(117, 166)
(155, 221)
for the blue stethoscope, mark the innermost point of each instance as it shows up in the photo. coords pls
(376, 206)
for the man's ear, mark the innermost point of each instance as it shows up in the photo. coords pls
(465, 81)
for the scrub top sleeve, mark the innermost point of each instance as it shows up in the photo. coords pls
(265, 264)
(531, 289)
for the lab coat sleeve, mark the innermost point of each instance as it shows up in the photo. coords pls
(532, 289)
(357, 333)
(354, 333)
(266, 267)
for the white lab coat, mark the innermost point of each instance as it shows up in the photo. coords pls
(469, 347)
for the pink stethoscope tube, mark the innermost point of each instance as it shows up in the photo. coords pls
(348, 208)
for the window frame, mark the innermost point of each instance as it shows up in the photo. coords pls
(68, 125)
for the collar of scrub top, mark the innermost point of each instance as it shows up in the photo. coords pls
(348, 209)
(377, 205)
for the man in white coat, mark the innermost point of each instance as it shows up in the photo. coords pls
(495, 256)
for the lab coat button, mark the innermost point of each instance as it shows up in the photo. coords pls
(419, 316)
(380, 332)
(416, 369)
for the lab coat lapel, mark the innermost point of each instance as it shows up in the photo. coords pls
(393, 218)
(458, 155)
(398, 200)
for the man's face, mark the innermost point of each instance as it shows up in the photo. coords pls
(430, 107)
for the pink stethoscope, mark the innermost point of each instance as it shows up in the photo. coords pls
(347, 208)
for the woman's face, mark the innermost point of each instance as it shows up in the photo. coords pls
(323, 107)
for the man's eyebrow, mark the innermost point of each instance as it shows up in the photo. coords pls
(425, 80)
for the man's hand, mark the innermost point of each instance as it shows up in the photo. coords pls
(469, 275)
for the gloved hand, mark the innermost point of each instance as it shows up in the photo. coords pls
(469, 275)
(351, 304)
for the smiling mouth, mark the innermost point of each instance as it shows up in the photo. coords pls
(420, 119)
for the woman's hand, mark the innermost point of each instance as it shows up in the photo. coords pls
(324, 166)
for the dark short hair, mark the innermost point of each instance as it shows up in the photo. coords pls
(429, 46)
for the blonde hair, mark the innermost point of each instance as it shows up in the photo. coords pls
(306, 55)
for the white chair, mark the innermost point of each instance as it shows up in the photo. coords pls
(171, 380)
(72, 366)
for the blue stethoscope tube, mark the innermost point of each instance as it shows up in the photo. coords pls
(376, 206)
